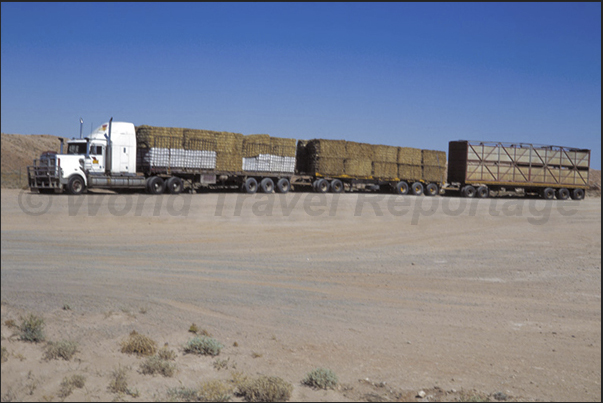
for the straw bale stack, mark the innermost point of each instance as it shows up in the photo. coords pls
(410, 172)
(385, 170)
(327, 166)
(434, 173)
(385, 154)
(434, 158)
(327, 148)
(359, 151)
(256, 144)
(409, 156)
(229, 152)
(358, 167)
(282, 147)
(203, 140)
(148, 136)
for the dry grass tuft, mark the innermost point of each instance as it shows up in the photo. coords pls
(155, 364)
(119, 381)
(166, 354)
(4, 355)
(68, 384)
(265, 389)
(32, 329)
(321, 378)
(139, 344)
(10, 323)
(64, 349)
(214, 391)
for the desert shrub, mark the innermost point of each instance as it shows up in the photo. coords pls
(203, 346)
(10, 323)
(138, 344)
(265, 389)
(119, 381)
(64, 349)
(321, 378)
(214, 391)
(32, 329)
(68, 384)
(221, 364)
(182, 394)
(153, 365)
(193, 329)
(4, 355)
(166, 354)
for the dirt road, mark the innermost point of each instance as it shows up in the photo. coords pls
(438, 294)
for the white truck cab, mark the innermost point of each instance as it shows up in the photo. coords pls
(101, 158)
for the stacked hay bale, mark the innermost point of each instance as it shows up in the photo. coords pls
(159, 137)
(327, 157)
(385, 162)
(229, 152)
(262, 153)
(410, 164)
(359, 159)
(434, 165)
(283, 152)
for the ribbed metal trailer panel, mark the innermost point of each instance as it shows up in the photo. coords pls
(504, 164)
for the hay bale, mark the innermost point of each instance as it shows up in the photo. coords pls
(203, 140)
(434, 158)
(358, 167)
(327, 166)
(409, 156)
(410, 172)
(434, 173)
(256, 144)
(327, 148)
(229, 152)
(385, 154)
(359, 151)
(149, 136)
(282, 147)
(385, 170)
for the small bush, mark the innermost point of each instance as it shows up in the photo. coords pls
(183, 394)
(10, 323)
(193, 329)
(214, 391)
(4, 355)
(69, 384)
(139, 345)
(153, 365)
(61, 349)
(119, 381)
(221, 364)
(204, 346)
(166, 354)
(265, 389)
(32, 329)
(321, 378)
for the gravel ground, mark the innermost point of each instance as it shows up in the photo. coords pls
(396, 295)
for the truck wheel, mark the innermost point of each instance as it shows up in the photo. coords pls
(483, 192)
(337, 186)
(155, 185)
(548, 194)
(402, 188)
(432, 189)
(563, 194)
(417, 188)
(578, 194)
(283, 185)
(76, 185)
(174, 185)
(468, 191)
(267, 185)
(322, 186)
(250, 186)
(314, 184)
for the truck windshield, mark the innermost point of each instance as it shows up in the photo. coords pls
(76, 148)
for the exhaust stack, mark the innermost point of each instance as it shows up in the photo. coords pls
(109, 152)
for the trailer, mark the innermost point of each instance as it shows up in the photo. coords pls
(476, 168)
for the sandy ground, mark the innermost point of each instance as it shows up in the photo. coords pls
(396, 295)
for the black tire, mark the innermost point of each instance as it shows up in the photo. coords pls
(402, 188)
(469, 191)
(314, 184)
(283, 185)
(337, 186)
(483, 192)
(267, 185)
(432, 189)
(250, 186)
(577, 194)
(548, 194)
(417, 189)
(322, 186)
(174, 185)
(563, 194)
(76, 185)
(155, 185)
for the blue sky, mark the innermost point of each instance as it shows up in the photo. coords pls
(405, 74)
